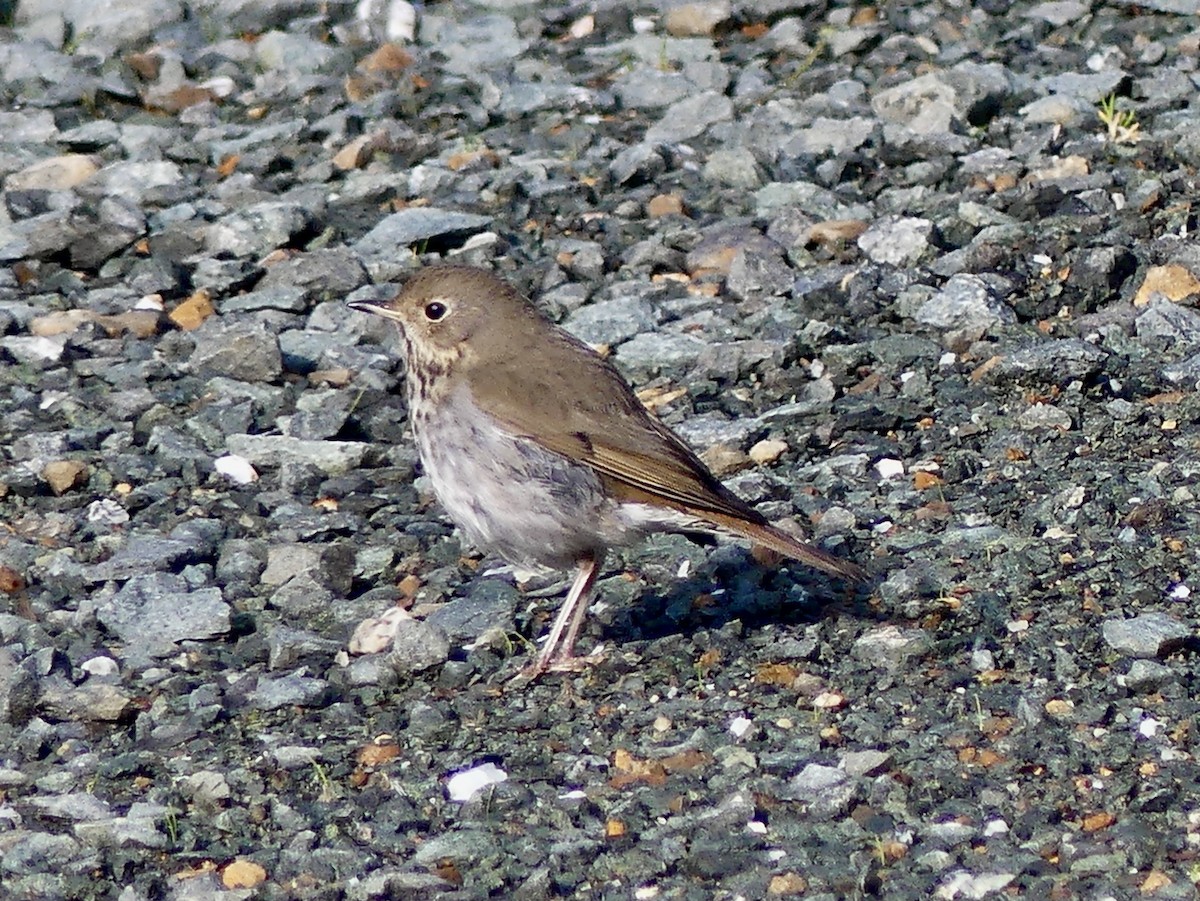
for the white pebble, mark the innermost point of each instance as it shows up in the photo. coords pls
(236, 469)
(401, 21)
(222, 86)
(100, 666)
(582, 27)
(1148, 728)
(464, 785)
(889, 468)
(107, 511)
(768, 451)
(376, 633)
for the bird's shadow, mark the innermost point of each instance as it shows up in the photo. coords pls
(737, 587)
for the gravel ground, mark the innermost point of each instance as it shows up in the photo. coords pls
(919, 278)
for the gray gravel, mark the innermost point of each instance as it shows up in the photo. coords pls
(920, 278)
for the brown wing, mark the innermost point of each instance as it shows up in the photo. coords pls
(587, 412)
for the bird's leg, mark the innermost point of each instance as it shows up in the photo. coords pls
(559, 652)
(581, 605)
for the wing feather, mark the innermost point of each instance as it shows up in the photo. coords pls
(573, 402)
(588, 413)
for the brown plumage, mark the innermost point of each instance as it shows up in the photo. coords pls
(539, 449)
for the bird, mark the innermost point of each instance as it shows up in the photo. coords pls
(539, 450)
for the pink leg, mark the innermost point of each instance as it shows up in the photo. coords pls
(585, 601)
(559, 651)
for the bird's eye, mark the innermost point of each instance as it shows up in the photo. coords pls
(435, 310)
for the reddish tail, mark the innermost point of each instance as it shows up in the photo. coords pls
(783, 543)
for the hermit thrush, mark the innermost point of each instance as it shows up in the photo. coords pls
(540, 451)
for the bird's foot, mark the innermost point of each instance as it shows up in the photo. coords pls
(559, 662)
(574, 664)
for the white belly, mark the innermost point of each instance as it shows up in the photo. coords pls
(509, 495)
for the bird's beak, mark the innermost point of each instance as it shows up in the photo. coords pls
(378, 307)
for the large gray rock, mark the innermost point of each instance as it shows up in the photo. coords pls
(241, 349)
(151, 613)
